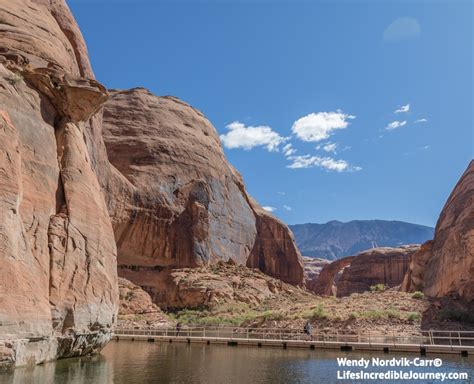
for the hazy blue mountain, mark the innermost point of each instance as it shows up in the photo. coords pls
(335, 239)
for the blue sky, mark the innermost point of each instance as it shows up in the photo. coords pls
(323, 76)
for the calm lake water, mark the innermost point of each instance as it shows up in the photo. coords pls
(130, 362)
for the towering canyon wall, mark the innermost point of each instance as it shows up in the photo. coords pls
(176, 202)
(169, 199)
(445, 265)
(58, 280)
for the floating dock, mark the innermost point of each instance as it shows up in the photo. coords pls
(428, 342)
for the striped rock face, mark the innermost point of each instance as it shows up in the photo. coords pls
(58, 280)
(167, 198)
(384, 265)
(174, 199)
(445, 265)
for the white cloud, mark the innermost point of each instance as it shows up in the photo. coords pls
(282, 193)
(403, 28)
(395, 124)
(307, 161)
(287, 207)
(288, 150)
(424, 147)
(330, 147)
(319, 126)
(269, 209)
(423, 120)
(403, 109)
(241, 136)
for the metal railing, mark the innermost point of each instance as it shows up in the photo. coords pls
(429, 337)
(452, 338)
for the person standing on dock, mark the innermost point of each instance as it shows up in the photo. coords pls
(308, 329)
(178, 328)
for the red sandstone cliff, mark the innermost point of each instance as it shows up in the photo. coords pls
(325, 283)
(174, 199)
(385, 266)
(58, 281)
(356, 274)
(445, 265)
(274, 251)
(312, 268)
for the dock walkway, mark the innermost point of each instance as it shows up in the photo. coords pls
(431, 341)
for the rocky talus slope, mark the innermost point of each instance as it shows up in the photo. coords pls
(58, 280)
(207, 287)
(445, 265)
(137, 310)
(229, 294)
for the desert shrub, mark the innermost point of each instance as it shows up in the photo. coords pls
(372, 314)
(418, 295)
(381, 314)
(232, 316)
(377, 288)
(247, 316)
(296, 316)
(319, 313)
(414, 316)
(393, 313)
(189, 316)
(272, 315)
(353, 316)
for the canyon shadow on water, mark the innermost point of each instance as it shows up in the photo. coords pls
(127, 362)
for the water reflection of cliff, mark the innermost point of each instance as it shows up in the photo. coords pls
(91, 370)
(141, 362)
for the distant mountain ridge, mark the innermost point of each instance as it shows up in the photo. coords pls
(336, 239)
